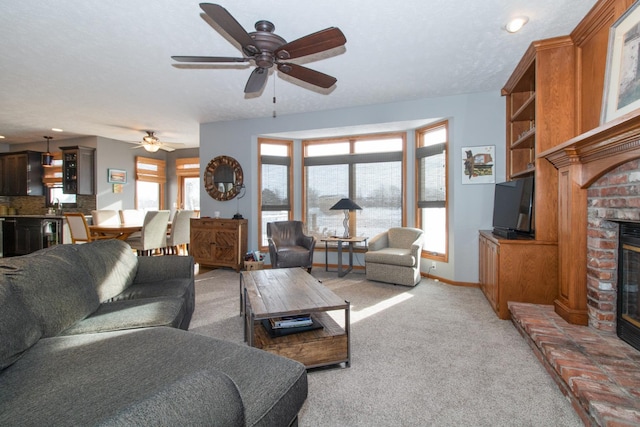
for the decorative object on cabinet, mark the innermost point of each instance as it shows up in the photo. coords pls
(223, 178)
(47, 158)
(478, 165)
(78, 170)
(347, 205)
(622, 77)
(242, 190)
(217, 242)
(117, 176)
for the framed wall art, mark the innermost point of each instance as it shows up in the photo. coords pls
(478, 165)
(116, 176)
(622, 76)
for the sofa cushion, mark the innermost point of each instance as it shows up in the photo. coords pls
(95, 376)
(132, 314)
(112, 265)
(19, 328)
(393, 256)
(177, 288)
(53, 285)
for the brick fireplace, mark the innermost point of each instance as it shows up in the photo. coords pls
(613, 198)
(598, 189)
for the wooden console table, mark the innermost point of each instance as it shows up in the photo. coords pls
(219, 242)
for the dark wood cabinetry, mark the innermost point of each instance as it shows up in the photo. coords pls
(517, 270)
(219, 242)
(21, 174)
(78, 170)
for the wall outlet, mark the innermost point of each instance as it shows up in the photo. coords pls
(433, 265)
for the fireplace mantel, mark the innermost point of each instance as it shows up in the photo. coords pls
(580, 161)
(599, 150)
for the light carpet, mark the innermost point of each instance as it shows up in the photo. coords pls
(432, 355)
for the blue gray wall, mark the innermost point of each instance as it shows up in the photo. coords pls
(475, 120)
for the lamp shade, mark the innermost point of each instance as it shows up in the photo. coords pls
(345, 204)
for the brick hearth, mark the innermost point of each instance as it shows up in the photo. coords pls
(594, 368)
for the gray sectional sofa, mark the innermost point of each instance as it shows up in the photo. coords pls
(94, 335)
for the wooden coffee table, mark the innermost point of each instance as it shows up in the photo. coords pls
(266, 294)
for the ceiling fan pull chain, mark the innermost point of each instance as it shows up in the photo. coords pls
(274, 98)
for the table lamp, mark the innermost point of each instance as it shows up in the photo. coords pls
(346, 205)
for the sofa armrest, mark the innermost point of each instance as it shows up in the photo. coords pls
(156, 269)
(380, 241)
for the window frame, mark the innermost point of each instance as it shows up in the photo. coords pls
(186, 167)
(289, 145)
(158, 176)
(352, 140)
(419, 137)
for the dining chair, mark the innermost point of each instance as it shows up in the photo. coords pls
(131, 216)
(153, 235)
(180, 234)
(105, 217)
(79, 228)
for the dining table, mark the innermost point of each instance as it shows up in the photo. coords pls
(115, 231)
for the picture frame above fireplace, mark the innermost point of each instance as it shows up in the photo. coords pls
(622, 76)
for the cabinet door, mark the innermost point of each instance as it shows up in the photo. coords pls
(226, 246)
(202, 243)
(489, 268)
(28, 237)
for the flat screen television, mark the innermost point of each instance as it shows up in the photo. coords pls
(513, 208)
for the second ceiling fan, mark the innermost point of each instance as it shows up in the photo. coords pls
(266, 49)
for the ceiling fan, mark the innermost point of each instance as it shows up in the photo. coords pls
(151, 143)
(266, 49)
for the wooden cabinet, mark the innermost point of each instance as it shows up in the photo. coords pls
(540, 115)
(219, 242)
(78, 171)
(517, 270)
(21, 174)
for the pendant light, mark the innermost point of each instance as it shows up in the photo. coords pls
(47, 158)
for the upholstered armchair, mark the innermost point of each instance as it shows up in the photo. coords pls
(289, 246)
(394, 256)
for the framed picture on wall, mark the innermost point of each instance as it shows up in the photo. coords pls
(117, 176)
(478, 165)
(622, 76)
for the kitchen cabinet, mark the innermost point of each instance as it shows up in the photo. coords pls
(26, 234)
(219, 242)
(21, 174)
(78, 170)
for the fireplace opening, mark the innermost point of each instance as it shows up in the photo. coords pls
(628, 315)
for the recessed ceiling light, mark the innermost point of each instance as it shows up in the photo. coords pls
(516, 24)
(56, 129)
(1, 136)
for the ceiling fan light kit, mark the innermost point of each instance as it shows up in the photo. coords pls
(266, 49)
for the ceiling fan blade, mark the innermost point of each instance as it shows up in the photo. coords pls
(223, 18)
(308, 75)
(208, 59)
(257, 80)
(326, 39)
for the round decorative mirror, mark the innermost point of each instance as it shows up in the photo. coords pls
(223, 178)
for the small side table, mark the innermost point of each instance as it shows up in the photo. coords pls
(340, 241)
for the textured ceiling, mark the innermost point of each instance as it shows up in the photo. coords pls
(104, 68)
